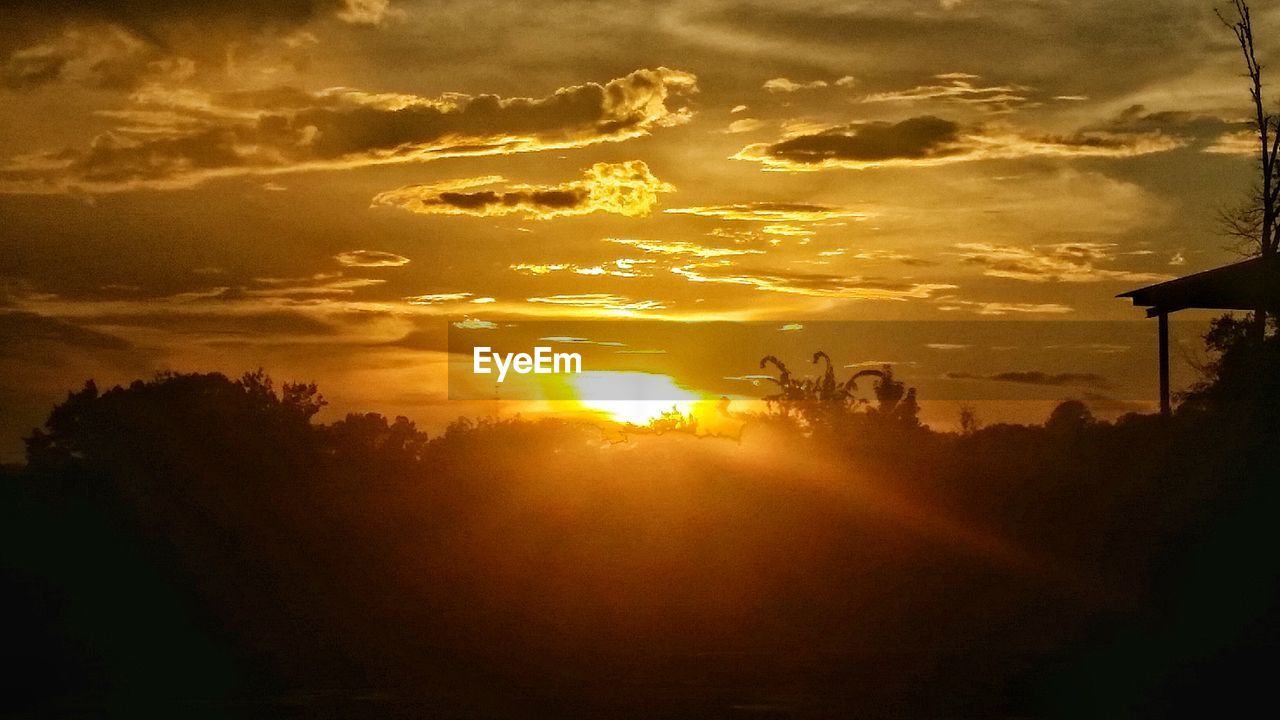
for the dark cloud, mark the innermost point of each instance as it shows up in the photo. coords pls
(488, 202)
(171, 25)
(913, 139)
(1197, 130)
(118, 44)
(1137, 118)
(1141, 43)
(21, 330)
(29, 70)
(1037, 377)
(929, 140)
(876, 22)
(268, 323)
(177, 140)
(148, 16)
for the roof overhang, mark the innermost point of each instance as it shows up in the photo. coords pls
(1247, 285)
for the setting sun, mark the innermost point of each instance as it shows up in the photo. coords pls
(635, 398)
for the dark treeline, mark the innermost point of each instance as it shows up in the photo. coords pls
(200, 546)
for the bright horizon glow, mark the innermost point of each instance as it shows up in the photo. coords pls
(655, 394)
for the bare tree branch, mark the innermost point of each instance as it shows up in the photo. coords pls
(1256, 226)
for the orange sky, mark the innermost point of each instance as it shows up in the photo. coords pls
(318, 187)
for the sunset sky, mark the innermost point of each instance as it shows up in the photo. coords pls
(318, 188)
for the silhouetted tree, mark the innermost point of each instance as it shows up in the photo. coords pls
(1241, 382)
(825, 401)
(172, 417)
(894, 400)
(674, 421)
(507, 566)
(368, 435)
(1070, 417)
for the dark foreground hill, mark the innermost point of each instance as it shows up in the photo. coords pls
(198, 547)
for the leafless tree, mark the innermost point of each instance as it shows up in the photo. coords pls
(969, 422)
(1255, 224)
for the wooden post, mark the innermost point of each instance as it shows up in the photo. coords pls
(1164, 364)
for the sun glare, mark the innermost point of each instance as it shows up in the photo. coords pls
(632, 397)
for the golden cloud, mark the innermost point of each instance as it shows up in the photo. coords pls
(599, 301)
(178, 138)
(626, 188)
(1065, 262)
(809, 284)
(290, 290)
(788, 230)
(883, 255)
(370, 259)
(474, 324)
(622, 267)
(958, 88)
(785, 85)
(771, 212)
(437, 298)
(322, 287)
(1241, 142)
(951, 304)
(364, 12)
(744, 125)
(678, 247)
